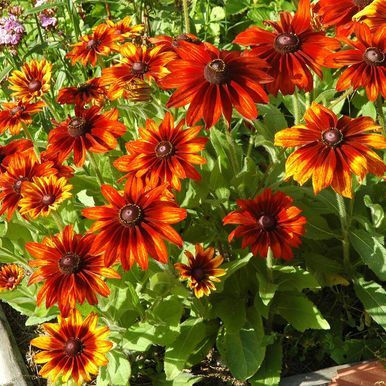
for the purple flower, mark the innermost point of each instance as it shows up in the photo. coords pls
(48, 21)
(11, 30)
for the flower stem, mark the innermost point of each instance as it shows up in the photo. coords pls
(39, 29)
(70, 10)
(381, 115)
(96, 169)
(186, 15)
(347, 93)
(29, 136)
(232, 149)
(269, 261)
(344, 226)
(58, 220)
(52, 109)
(295, 103)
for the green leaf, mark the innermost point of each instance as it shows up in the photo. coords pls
(377, 212)
(85, 199)
(230, 310)
(233, 7)
(372, 252)
(183, 379)
(373, 297)
(117, 372)
(168, 311)
(217, 14)
(266, 289)
(290, 278)
(300, 312)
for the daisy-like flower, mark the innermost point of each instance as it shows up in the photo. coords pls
(31, 81)
(139, 62)
(89, 131)
(366, 62)
(61, 169)
(268, 221)
(202, 270)
(10, 276)
(124, 29)
(136, 90)
(70, 270)
(213, 81)
(165, 152)
(170, 43)
(374, 15)
(72, 348)
(330, 149)
(89, 92)
(7, 151)
(16, 114)
(292, 50)
(21, 167)
(99, 43)
(135, 224)
(43, 194)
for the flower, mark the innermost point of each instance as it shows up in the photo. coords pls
(99, 43)
(330, 149)
(31, 81)
(21, 167)
(124, 29)
(48, 22)
(134, 224)
(10, 276)
(88, 130)
(202, 270)
(91, 91)
(15, 146)
(292, 50)
(72, 348)
(70, 270)
(170, 43)
(136, 90)
(11, 31)
(42, 195)
(165, 152)
(213, 81)
(16, 114)
(366, 62)
(374, 15)
(268, 221)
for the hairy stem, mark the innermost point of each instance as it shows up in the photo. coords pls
(269, 261)
(96, 169)
(186, 15)
(344, 222)
(381, 115)
(347, 93)
(58, 220)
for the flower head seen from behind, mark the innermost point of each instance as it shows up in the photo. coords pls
(165, 152)
(365, 62)
(202, 270)
(88, 92)
(135, 223)
(71, 272)
(214, 81)
(330, 149)
(43, 194)
(292, 50)
(374, 15)
(268, 221)
(10, 276)
(31, 81)
(72, 348)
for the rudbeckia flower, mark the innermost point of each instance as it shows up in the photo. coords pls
(134, 224)
(13, 147)
(374, 15)
(202, 270)
(330, 149)
(170, 43)
(89, 92)
(10, 276)
(292, 50)
(165, 152)
(268, 221)
(73, 348)
(123, 28)
(71, 272)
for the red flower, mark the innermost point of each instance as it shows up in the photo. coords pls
(7, 151)
(170, 44)
(269, 220)
(88, 92)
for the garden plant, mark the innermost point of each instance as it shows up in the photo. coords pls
(193, 191)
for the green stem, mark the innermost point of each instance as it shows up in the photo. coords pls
(344, 222)
(232, 148)
(96, 169)
(29, 136)
(186, 15)
(39, 29)
(250, 146)
(347, 93)
(70, 6)
(381, 115)
(52, 109)
(58, 220)
(269, 261)
(295, 103)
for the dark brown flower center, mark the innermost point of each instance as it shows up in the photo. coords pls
(77, 126)
(34, 85)
(11, 279)
(93, 44)
(48, 199)
(362, 3)
(16, 109)
(139, 68)
(332, 137)
(18, 183)
(374, 56)
(69, 263)
(164, 149)
(130, 215)
(73, 347)
(267, 222)
(286, 43)
(216, 72)
(198, 273)
(84, 87)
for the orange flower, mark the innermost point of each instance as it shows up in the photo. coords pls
(10, 276)
(214, 81)
(292, 50)
(89, 131)
(7, 151)
(61, 170)
(164, 152)
(16, 114)
(268, 221)
(99, 43)
(366, 61)
(331, 149)
(139, 62)
(134, 224)
(170, 44)
(72, 348)
(88, 92)
(42, 195)
(32, 81)
(202, 270)
(21, 167)
(70, 270)
(374, 15)
(124, 29)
